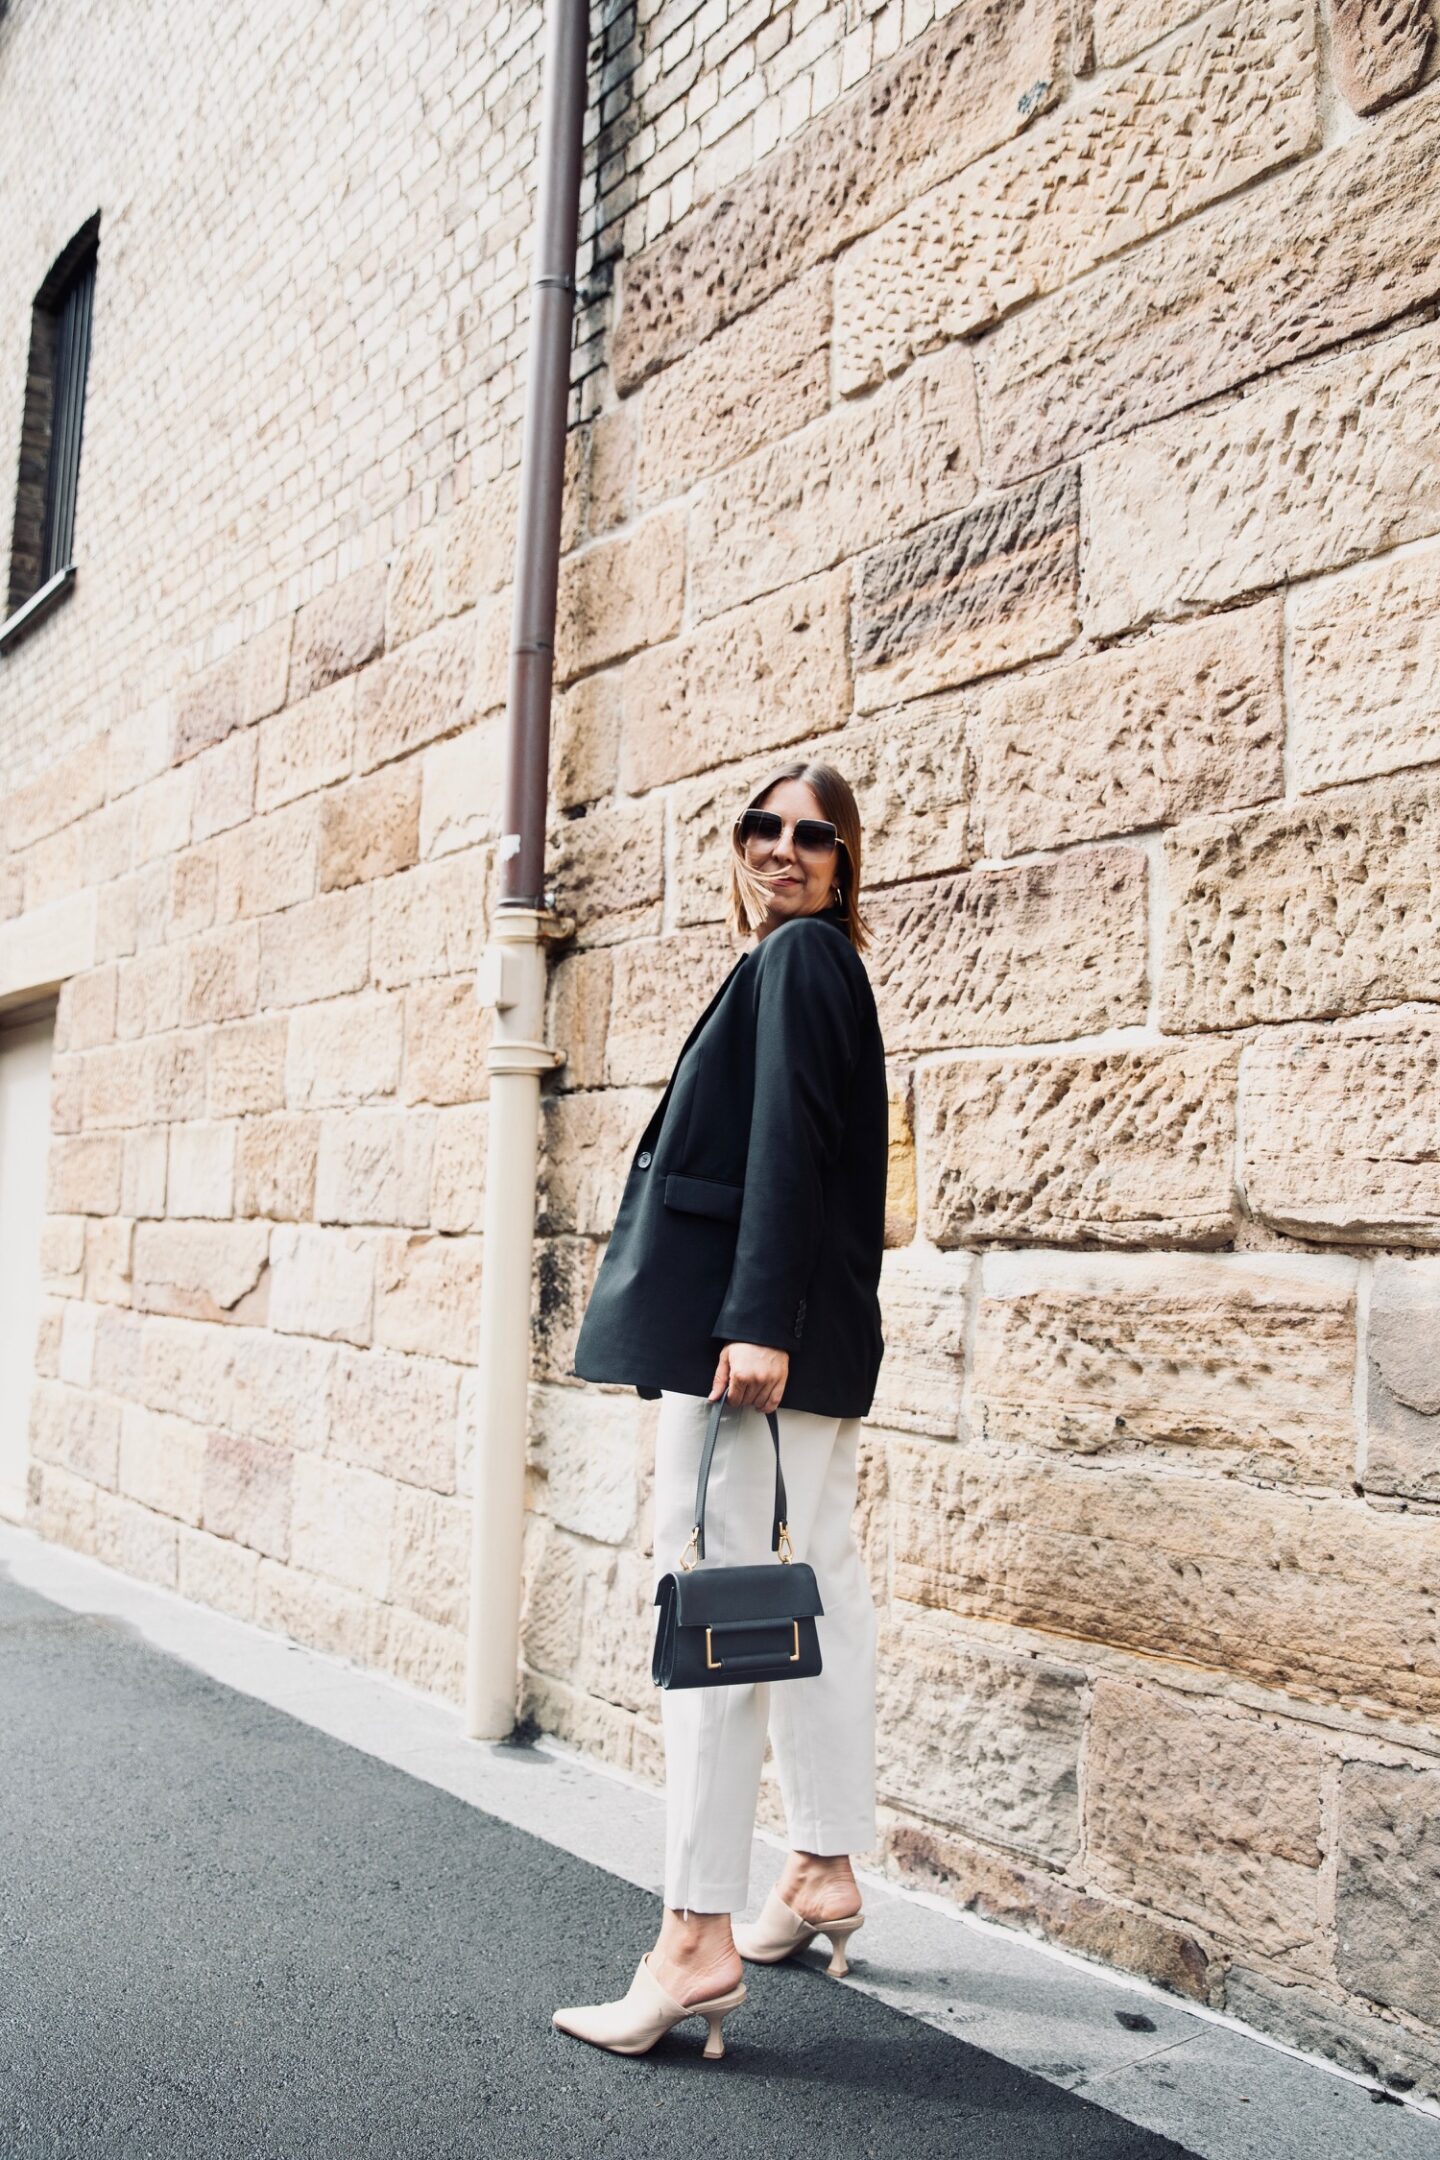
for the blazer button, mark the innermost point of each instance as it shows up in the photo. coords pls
(642, 1160)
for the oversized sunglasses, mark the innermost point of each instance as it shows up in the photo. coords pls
(813, 835)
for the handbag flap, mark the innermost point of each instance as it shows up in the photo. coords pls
(773, 1590)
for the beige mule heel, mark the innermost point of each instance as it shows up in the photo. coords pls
(644, 2014)
(778, 1932)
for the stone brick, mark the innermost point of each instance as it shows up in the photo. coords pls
(1364, 656)
(275, 1167)
(338, 631)
(1327, 906)
(1001, 1887)
(761, 378)
(923, 1304)
(660, 988)
(564, 1273)
(1385, 1947)
(610, 472)
(324, 1282)
(980, 1740)
(396, 1415)
(72, 787)
(1378, 54)
(1320, 1597)
(344, 1050)
(373, 1166)
(1124, 27)
(618, 1628)
(1228, 100)
(1403, 1380)
(131, 1538)
(608, 870)
(1211, 1817)
(430, 1561)
(412, 696)
(61, 1508)
(279, 1389)
(460, 789)
(201, 1174)
(317, 950)
(308, 746)
(447, 1040)
(202, 1270)
(585, 740)
(414, 600)
(1311, 471)
(554, 1589)
(760, 677)
(86, 1010)
(265, 864)
(432, 920)
(1380, 2049)
(1165, 727)
(83, 1173)
(248, 684)
(587, 1447)
(318, 1613)
(946, 99)
(457, 1182)
(1324, 252)
(478, 543)
(161, 1459)
(427, 1295)
(1128, 1147)
(1246, 1366)
(371, 828)
(341, 1524)
(1032, 953)
(76, 1431)
(619, 595)
(980, 591)
(182, 1366)
(1342, 1130)
(860, 474)
(211, 1571)
(149, 993)
(587, 1140)
(222, 975)
(222, 785)
(109, 1242)
(902, 1198)
(425, 1656)
(579, 1015)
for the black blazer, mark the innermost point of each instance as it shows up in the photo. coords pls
(754, 1208)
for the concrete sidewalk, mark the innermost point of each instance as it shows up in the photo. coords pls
(254, 1901)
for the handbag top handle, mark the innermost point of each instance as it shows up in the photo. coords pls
(779, 1530)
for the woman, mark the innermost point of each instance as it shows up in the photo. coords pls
(745, 1262)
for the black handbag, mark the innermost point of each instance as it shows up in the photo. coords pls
(724, 1625)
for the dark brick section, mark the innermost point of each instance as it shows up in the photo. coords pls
(975, 568)
(976, 79)
(28, 536)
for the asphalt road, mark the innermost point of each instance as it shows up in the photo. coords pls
(225, 1934)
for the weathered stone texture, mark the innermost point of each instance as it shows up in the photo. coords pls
(1342, 1130)
(1403, 1380)
(1320, 1597)
(1034, 953)
(588, 1139)
(427, 1294)
(1326, 907)
(1166, 727)
(246, 1492)
(1244, 1366)
(766, 675)
(763, 377)
(1129, 1147)
(338, 631)
(852, 478)
(660, 988)
(969, 84)
(608, 870)
(1331, 249)
(923, 1305)
(305, 747)
(1213, 1818)
(588, 1447)
(1122, 28)
(414, 695)
(1330, 463)
(619, 595)
(977, 592)
(1386, 1947)
(1319, 2020)
(371, 828)
(1364, 661)
(1230, 99)
(981, 1741)
(1378, 49)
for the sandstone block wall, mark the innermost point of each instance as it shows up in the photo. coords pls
(1028, 406)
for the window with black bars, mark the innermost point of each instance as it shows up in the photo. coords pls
(42, 548)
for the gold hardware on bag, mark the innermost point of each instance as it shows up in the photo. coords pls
(715, 1664)
(692, 1550)
(786, 1550)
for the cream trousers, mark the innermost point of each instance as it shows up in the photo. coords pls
(822, 1729)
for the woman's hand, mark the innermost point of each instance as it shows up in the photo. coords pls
(754, 1374)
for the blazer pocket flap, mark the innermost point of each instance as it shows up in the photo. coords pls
(704, 1196)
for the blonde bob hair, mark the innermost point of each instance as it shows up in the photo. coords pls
(749, 893)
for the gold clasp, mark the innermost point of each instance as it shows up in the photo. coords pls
(787, 1551)
(692, 1550)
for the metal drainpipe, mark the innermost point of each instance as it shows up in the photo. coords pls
(512, 974)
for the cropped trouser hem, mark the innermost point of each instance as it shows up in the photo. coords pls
(822, 1728)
